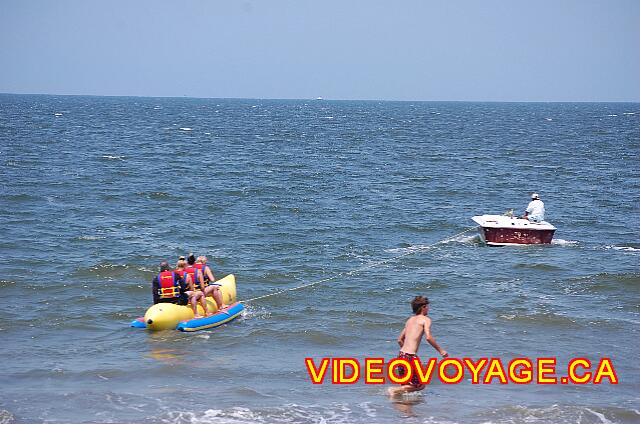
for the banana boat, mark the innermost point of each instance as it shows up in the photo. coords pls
(169, 316)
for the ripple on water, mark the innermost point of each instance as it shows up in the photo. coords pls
(603, 283)
(561, 414)
(541, 319)
(537, 266)
(113, 271)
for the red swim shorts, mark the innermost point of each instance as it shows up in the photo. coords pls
(414, 381)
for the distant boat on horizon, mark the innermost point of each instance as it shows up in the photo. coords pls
(319, 98)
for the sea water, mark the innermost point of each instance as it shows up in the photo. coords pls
(96, 191)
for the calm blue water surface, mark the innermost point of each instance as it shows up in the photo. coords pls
(96, 191)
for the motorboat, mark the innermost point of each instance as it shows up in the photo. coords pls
(504, 230)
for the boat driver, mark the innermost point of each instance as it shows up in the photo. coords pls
(535, 209)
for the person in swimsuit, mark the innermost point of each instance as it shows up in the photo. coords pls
(194, 295)
(409, 342)
(212, 289)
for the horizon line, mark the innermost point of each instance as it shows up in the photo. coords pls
(319, 99)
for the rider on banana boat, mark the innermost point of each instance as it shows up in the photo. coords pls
(169, 287)
(211, 289)
(196, 296)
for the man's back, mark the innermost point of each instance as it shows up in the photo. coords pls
(413, 331)
(536, 208)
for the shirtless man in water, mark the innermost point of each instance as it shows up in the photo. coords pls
(409, 342)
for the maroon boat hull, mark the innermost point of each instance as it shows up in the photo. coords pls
(502, 236)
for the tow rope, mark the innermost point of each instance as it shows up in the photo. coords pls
(363, 268)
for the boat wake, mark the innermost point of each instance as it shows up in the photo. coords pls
(252, 312)
(463, 239)
(560, 242)
(623, 248)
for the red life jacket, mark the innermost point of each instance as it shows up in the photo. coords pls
(180, 272)
(193, 272)
(168, 285)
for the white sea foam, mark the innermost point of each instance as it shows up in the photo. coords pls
(560, 242)
(465, 239)
(629, 113)
(6, 417)
(113, 157)
(204, 336)
(336, 413)
(186, 129)
(549, 119)
(57, 114)
(612, 115)
(252, 311)
(415, 248)
(91, 238)
(623, 248)
(600, 416)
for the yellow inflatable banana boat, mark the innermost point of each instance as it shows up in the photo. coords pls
(168, 316)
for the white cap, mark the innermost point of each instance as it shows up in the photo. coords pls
(535, 196)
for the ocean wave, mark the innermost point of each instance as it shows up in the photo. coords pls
(302, 335)
(278, 277)
(22, 197)
(89, 238)
(157, 195)
(110, 157)
(413, 228)
(561, 414)
(6, 417)
(538, 266)
(606, 281)
(542, 319)
(288, 413)
(7, 283)
(111, 271)
(624, 248)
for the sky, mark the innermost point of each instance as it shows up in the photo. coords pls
(448, 50)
